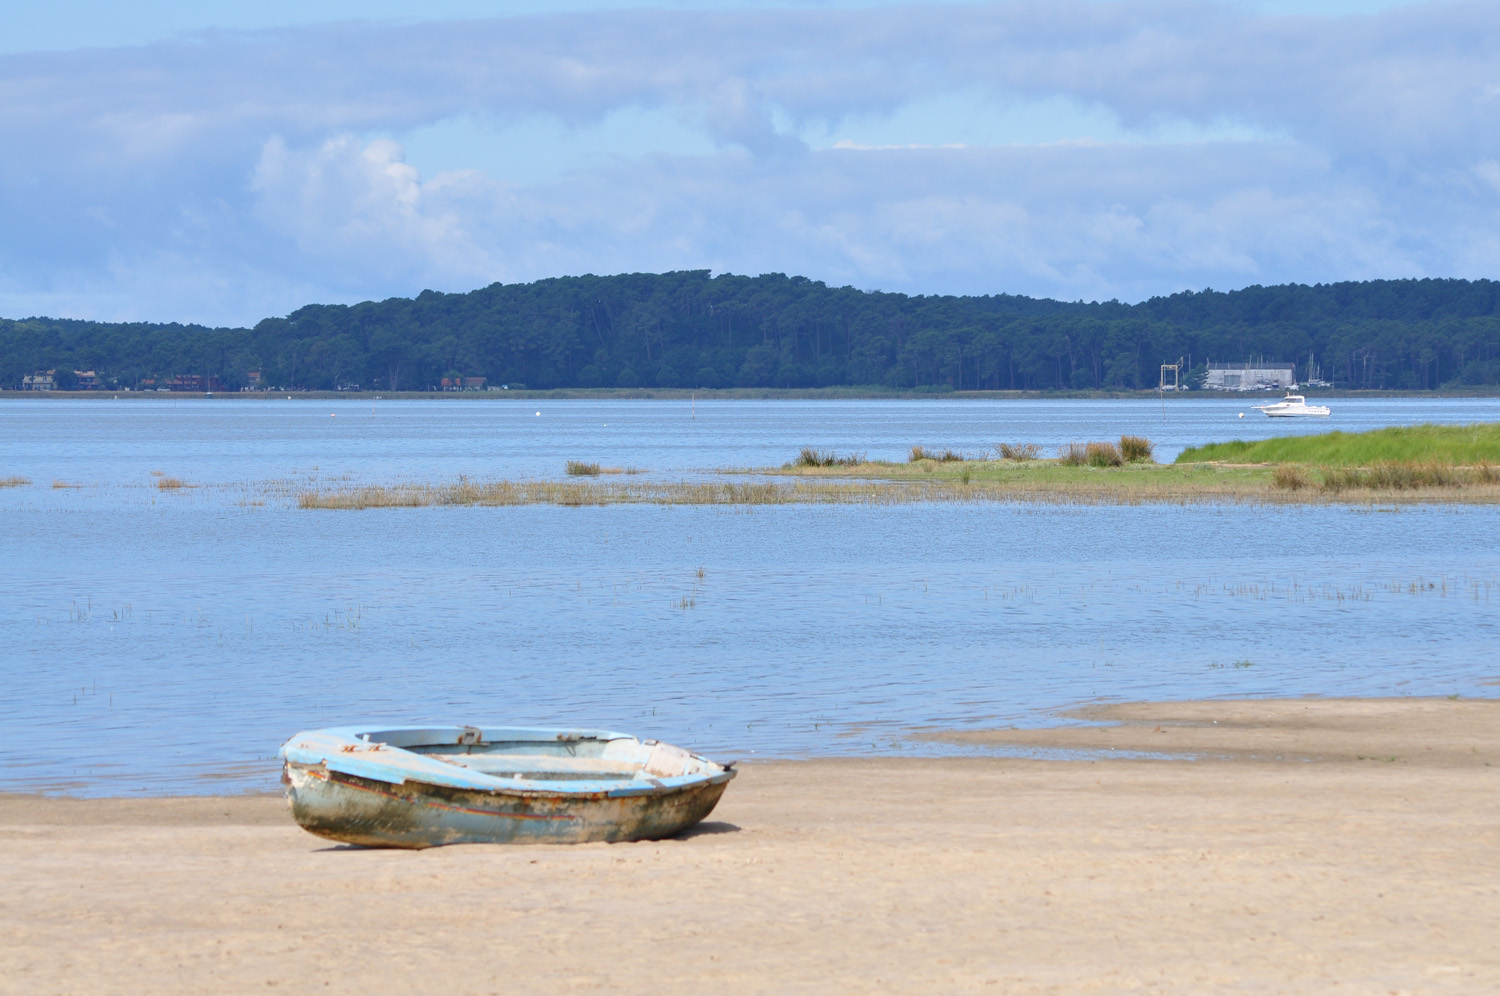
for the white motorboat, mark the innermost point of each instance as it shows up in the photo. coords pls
(1293, 406)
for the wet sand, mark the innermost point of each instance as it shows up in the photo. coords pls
(1299, 857)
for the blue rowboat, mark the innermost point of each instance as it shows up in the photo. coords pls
(416, 786)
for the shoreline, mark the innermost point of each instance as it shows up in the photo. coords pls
(986, 874)
(734, 394)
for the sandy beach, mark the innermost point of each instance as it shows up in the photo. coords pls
(1309, 847)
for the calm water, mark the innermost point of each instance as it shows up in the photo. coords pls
(168, 641)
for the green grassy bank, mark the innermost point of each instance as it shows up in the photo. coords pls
(1461, 445)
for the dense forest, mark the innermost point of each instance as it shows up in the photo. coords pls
(689, 329)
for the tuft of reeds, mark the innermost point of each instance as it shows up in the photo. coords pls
(1019, 452)
(14, 482)
(812, 457)
(1290, 477)
(937, 456)
(1072, 455)
(578, 468)
(58, 485)
(170, 483)
(1102, 454)
(1135, 449)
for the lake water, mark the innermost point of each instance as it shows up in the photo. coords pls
(157, 641)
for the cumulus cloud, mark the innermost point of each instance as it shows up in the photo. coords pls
(249, 156)
(363, 208)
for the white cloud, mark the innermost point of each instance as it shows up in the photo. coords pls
(1363, 147)
(364, 209)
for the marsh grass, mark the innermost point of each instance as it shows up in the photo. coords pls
(813, 457)
(1463, 445)
(14, 482)
(581, 493)
(974, 481)
(1290, 477)
(1072, 454)
(1135, 449)
(1395, 475)
(59, 485)
(1102, 454)
(919, 453)
(1019, 452)
(170, 483)
(577, 468)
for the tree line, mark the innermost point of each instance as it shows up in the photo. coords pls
(691, 329)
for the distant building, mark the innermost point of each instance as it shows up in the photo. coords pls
(1250, 376)
(42, 380)
(194, 382)
(87, 380)
(252, 381)
(464, 383)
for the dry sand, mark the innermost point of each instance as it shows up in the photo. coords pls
(1351, 873)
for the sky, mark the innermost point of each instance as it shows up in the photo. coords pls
(178, 161)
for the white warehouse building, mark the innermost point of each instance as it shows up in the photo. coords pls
(1250, 376)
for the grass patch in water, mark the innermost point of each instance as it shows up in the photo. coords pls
(919, 453)
(170, 483)
(1099, 472)
(812, 457)
(579, 493)
(578, 468)
(14, 482)
(1084, 473)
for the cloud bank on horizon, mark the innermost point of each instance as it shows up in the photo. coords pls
(1073, 150)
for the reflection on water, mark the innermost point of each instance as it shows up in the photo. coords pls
(168, 641)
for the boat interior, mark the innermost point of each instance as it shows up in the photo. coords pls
(547, 755)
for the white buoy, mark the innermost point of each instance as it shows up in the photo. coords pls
(538, 413)
(1242, 414)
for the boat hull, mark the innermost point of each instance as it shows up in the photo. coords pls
(355, 810)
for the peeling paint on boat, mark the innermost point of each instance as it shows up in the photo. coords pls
(428, 786)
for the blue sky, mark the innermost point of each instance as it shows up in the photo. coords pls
(222, 163)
